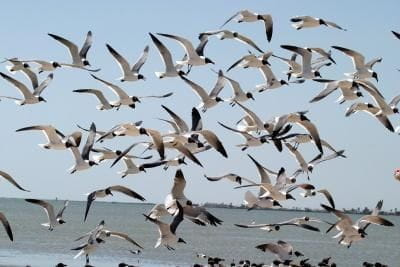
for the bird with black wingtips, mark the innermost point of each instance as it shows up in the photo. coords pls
(28, 96)
(251, 61)
(101, 193)
(249, 16)
(271, 82)
(192, 56)
(104, 103)
(302, 22)
(363, 70)
(54, 219)
(348, 87)
(55, 138)
(79, 57)
(282, 250)
(167, 232)
(129, 73)
(10, 179)
(307, 70)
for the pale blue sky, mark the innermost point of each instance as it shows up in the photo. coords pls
(361, 180)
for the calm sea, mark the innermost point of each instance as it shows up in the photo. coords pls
(36, 246)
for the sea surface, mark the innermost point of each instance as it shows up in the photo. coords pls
(35, 245)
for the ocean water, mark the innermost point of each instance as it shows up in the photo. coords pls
(36, 246)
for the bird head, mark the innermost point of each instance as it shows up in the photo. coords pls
(55, 64)
(180, 240)
(41, 99)
(250, 95)
(143, 131)
(375, 75)
(209, 61)
(141, 77)
(135, 99)
(108, 192)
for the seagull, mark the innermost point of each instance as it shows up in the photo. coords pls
(12, 181)
(301, 22)
(350, 231)
(371, 110)
(238, 94)
(45, 65)
(226, 34)
(104, 103)
(106, 154)
(88, 248)
(79, 59)
(348, 88)
(158, 211)
(386, 108)
(101, 193)
(298, 222)
(124, 98)
(282, 250)
(167, 232)
(82, 161)
(251, 141)
(124, 129)
(307, 72)
(271, 81)
(251, 61)
(207, 100)
(193, 58)
(306, 138)
(251, 202)
(171, 70)
(55, 139)
(249, 16)
(309, 191)
(129, 74)
(294, 67)
(28, 96)
(302, 120)
(230, 176)
(363, 70)
(54, 219)
(7, 226)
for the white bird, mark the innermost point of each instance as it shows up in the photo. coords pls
(249, 16)
(167, 232)
(101, 193)
(123, 98)
(363, 70)
(79, 57)
(271, 81)
(55, 139)
(371, 110)
(171, 70)
(238, 94)
(193, 58)
(348, 87)
(54, 220)
(251, 61)
(226, 34)
(129, 74)
(207, 100)
(28, 96)
(350, 231)
(158, 211)
(82, 161)
(25, 68)
(307, 71)
(301, 22)
(386, 108)
(282, 250)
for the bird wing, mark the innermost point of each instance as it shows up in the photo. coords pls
(214, 141)
(328, 196)
(219, 85)
(38, 90)
(357, 58)
(197, 88)
(86, 45)
(60, 213)
(20, 86)
(186, 44)
(185, 151)
(183, 127)
(157, 141)
(89, 142)
(12, 181)
(90, 198)
(126, 191)
(99, 94)
(142, 59)
(334, 25)
(164, 53)
(116, 89)
(247, 40)
(125, 237)
(268, 26)
(178, 218)
(179, 185)
(7, 226)
(48, 208)
(122, 62)
(73, 48)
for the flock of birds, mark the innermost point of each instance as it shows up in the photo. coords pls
(185, 142)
